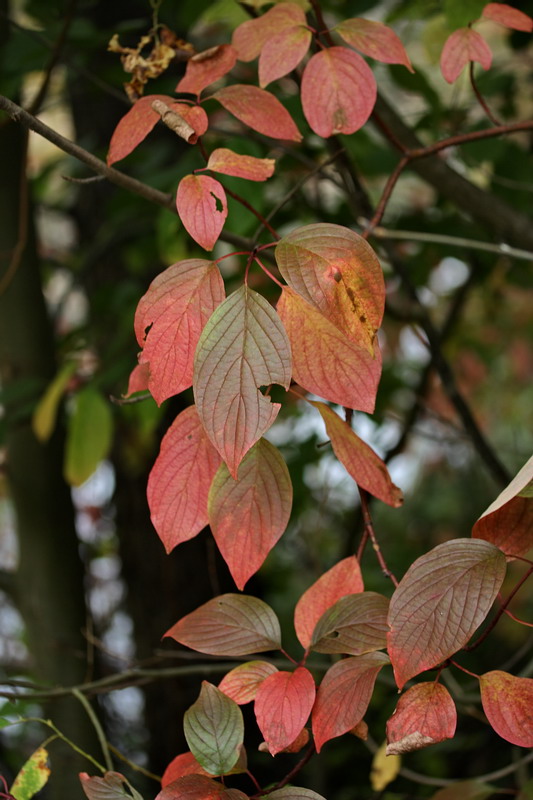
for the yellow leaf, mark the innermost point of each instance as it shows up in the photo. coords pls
(384, 769)
(32, 777)
(44, 416)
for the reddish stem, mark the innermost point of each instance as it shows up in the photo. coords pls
(517, 619)
(267, 272)
(480, 98)
(464, 669)
(294, 771)
(228, 255)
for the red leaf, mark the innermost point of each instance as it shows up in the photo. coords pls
(324, 361)
(198, 787)
(365, 467)
(441, 600)
(338, 91)
(242, 683)
(201, 204)
(174, 310)
(249, 37)
(139, 379)
(425, 715)
(258, 109)
(508, 521)
(374, 39)
(463, 46)
(343, 696)
(282, 707)
(342, 579)
(229, 625)
(507, 702)
(248, 515)
(242, 347)
(337, 272)
(229, 163)
(184, 764)
(137, 123)
(179, 482)
(356, 624)
(282, 53)
(508, 16)
(205, 68)
(110, 786)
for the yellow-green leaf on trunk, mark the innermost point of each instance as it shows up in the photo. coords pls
(89, 432)
(45, 414)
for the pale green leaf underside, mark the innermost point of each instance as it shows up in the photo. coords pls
(214, 730)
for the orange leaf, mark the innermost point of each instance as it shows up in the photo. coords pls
(365, 467)
(179, 482)
(338, 91)
(229, 163)
(242, 347)
(324, 361)
(440, 602)
(201, 204)
(242, 683)
(425, 715)
(343, 696)
(205, 68)
(507, 702)
(374, 39)
(282, 53)
(508, 521)
(174, 311)
(463, 46)
(508, 16)
(342, 579)
(258, 109)
(249, 37)
(282, 707)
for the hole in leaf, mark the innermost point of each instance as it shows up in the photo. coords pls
(218, 203)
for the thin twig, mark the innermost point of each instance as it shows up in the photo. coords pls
(97, 727)
(480, 98)
(369, 528)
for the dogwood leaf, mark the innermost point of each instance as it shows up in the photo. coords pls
(282, 53)
(282, 706)
(250, 36)
(242, 347)
(441, 600)
(507, 702)
(242, 683)
(198, 787)
(248, 515)
(508, 16)
(214, 730)
(258, 109)
(374, 39)
(227, 162)
(202, 207)
(169, 320)
(179, 482)
(205, 68)
(463, 46)
(338, 91)
(229, 625)
(356, 624)
(424, 715)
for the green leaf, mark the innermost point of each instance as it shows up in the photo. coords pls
(466, 790)
(32, 777)
(460, 12)
(214, 730)
(89, 433)
(44, 416)
(356, 624)
(294, 793)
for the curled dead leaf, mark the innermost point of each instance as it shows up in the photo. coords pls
(413, 741)
(175, 122)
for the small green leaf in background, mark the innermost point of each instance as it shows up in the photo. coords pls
(460, 12)
(526, 792)
(466, 790)
(89, 432)
(45, 414)
(214, 729)
(32, 777)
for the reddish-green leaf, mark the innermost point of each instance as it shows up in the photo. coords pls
(229, 163)
(324, 361)
(229, 625)
(184, 764)
(214, 730)
(343, 696)
(202, 206)
(169, 320)
(242, 683)
(249, 37)
(258, 109)
(425, 715)
(508, 521)
(508, 16)
(463, 46)
(110, 786)
(205, 68)
(365, 467)
(282, 707)
(356, 624)
(508, 704)
(342, 579)
(179, 482)
(465, 790)
(338, 91)
(294, 793)
(248, 515)
(374, 39)
(198, 787)
(242, 347)
(337, 272)
(441, 600)
(137, 123)
(282, 53)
